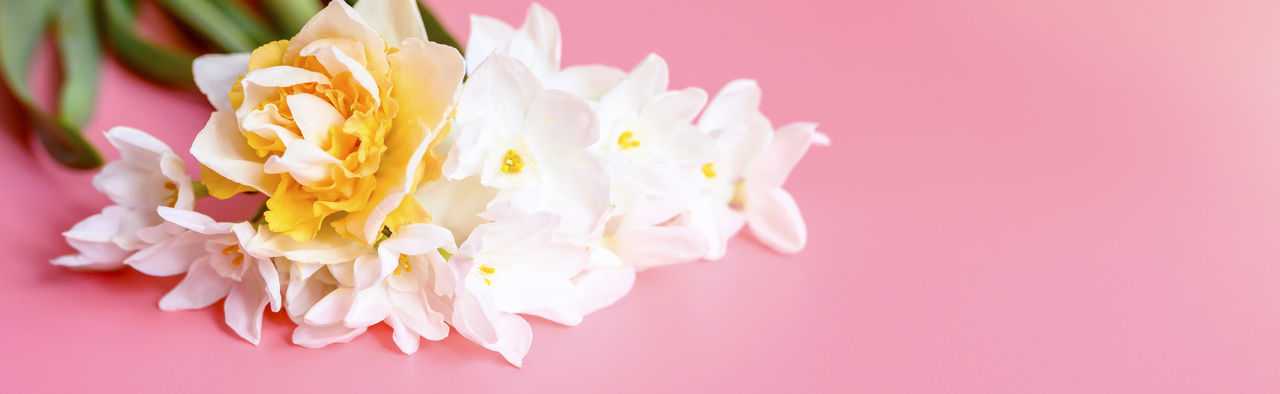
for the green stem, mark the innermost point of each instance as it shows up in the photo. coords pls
(290, 15)
(165, 65)
(211, 23)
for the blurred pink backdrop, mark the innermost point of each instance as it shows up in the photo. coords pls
(1072, 196)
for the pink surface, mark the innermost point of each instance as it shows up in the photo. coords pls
(1021, 197)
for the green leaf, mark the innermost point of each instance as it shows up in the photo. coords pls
(211, 23)
(250, 23)
(165, 65)
(78, 45)
(22, 26)
(436, 30)
(290, 15)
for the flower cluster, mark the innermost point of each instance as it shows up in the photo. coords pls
(397, 194)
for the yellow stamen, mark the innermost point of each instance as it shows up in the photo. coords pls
(709, 170)
(485, 272)
(238, 258)
(171, 199)
(404, 266)
(627, 140)
(512, 163)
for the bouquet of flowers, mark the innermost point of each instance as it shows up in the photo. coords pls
(408, 185)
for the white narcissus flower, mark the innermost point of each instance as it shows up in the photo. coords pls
(147, 175)
(531, 145)
(515, 266)
(536, 44)
(218, 266)
(743, 184)
(406, 284)
(649, 138)
(334, 125)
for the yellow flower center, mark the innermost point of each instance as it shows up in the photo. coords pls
(404, 266)
(486, 272)
(709, 170)
(511, 163)
(627, 140)
(171, 199)
(234, 250)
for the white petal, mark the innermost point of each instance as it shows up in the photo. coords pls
(216, 73)
(271, 282)
(200, 288)
(718, 223)
(560, 124)
(261, 84)
(487, 35)
(731, 105)
(648, 79)
(368, 307)
(138, 179)
(789, 144)
(668, 110)
(194, 221)
(222, 148)
(775, 220)
(589, 82)
(314, 116)
(416, 239)
(508, 333)
(651, 246)
(93, 239)
(317, 337)
(371, 269)
(243, 308)
(406, 339)
(170, 257)
(338, 20)
(456, 204)
(412, 310)
(326, 248)
(332, 308)
(303, 161)
(597, 289)
(537, 42)
(395, 20)
(501, 88)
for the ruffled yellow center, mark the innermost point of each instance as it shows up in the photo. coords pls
(360, 145)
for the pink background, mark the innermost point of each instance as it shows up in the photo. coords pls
(1022, 196)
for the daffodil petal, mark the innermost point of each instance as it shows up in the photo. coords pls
(214, 75)
(395, 20)
(220, 147)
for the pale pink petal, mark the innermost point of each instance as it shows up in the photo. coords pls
(651, 246)
(200, 288)
(170, 257)
(243, 308)
(775, 220)
(406, 339)
(368, 307)
(332, 308)
(317, 337)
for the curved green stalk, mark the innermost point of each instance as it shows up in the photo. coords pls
(164, 65)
